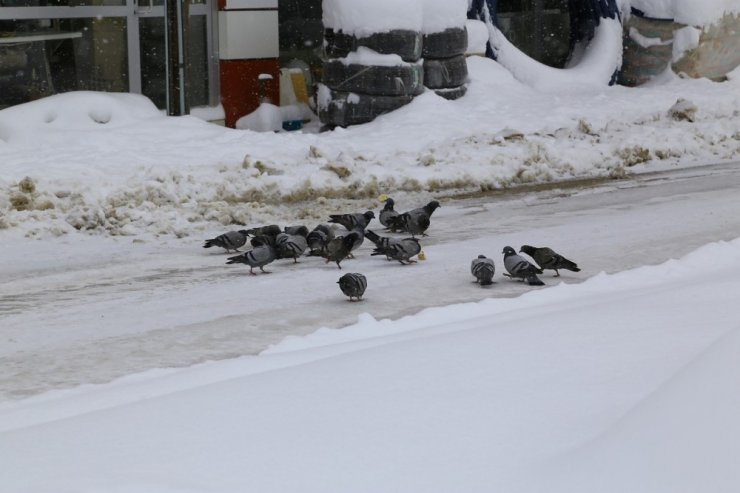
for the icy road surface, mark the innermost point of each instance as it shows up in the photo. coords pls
(88, 309)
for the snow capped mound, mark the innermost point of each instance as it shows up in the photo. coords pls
(362, 18)
(81, 110)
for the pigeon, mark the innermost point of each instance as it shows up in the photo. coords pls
(388, 213)
(262, 253)
(353, 221)
(401, 250)
(291, 245)
(546, 258)
(271, 230)
(415, 221)
(483, 269)
(296, 230)
(381, 242)
(341, 247)
(519, 268)
(318, 238)
(231, 240)
(353, 285)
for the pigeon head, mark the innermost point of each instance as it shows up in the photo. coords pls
(481, 256)
(369, 215)
(509, 251)
(432, 206)
(389, 203)
(529, 250)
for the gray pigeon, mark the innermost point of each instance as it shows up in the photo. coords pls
(296, 230)
(483, 269)
(415, 221)
(341, 247)
(291, 245)
(262, 253)
(271, 230)
(401, 250)
(381, 242)
(231, 240)
(519, 268)
(353, 221)
(546, 258)
(388, 213)
(353, 285)
(318, 238)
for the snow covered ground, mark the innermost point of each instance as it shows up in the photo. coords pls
(611, 379)
(112, 164)
(625, 382)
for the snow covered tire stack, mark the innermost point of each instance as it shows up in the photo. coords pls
(402, 42)
(445, 65)
(372, 59)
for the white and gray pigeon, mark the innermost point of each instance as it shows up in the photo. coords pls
(353, 221)
(401, 250)
(415, 221)
(353, 285)
(483, 269)
(230, 241)
(262, 253)
(519, 268)
(546, 258)
(388, 213)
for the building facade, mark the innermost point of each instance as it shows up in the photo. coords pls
(234, 49)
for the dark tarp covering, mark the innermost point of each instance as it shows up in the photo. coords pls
(585, 16)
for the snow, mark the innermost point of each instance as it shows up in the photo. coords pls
(684, 39)
(143, 173)
(645, 41)
(688, 12)
(620, 381)
(363, 18)
(596, 67)
(136, 363)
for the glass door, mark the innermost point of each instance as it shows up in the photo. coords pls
(53, 46)
(151, 52)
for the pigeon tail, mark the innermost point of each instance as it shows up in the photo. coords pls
(533, 280)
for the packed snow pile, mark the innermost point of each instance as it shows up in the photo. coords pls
(112, 164)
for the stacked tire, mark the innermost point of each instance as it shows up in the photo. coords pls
(444, 44)
(369, 70)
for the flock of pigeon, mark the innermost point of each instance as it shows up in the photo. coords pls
(272, 242)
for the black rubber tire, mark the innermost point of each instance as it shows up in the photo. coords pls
(445, 44)
(344, 109)
(377, 80)
(402, 42)
(446, 72)
(452, 93)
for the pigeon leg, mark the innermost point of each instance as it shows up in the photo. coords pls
(557, 274)
(265, 271)
(251, 272)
